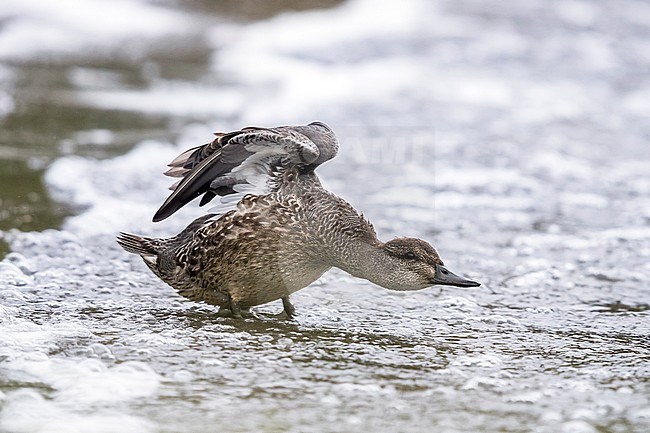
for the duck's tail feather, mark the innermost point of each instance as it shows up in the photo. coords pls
(143, 246)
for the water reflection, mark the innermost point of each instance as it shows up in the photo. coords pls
(621, 308)
(25, 203)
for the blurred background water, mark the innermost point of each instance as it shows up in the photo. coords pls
(512, 135)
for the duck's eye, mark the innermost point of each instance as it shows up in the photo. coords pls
(410, 255)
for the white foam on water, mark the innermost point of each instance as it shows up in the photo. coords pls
(188, 100)
(77, 385)
(40, 28)
(557, 166)
(584, 199)
(577, 12)
(304, 56)
(7, 103)
(27, 411)
(637, 102)
(315, 28)
(115, 194)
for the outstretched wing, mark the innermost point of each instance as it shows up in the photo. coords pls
(245, 162)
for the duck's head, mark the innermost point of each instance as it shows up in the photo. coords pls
(413, 264)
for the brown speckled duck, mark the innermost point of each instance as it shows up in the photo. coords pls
(276, 229)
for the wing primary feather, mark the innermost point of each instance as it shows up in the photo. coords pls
(249, 161)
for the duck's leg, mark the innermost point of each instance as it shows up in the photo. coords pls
(224, 312)
(289, 309)
(235, 309)
(227, 312)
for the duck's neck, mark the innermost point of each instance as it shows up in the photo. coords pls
(367, 259)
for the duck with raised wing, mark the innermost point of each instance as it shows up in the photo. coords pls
(275, 229)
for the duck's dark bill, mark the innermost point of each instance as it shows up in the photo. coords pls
(445, 277)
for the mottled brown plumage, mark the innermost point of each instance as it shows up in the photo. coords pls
(276, 229)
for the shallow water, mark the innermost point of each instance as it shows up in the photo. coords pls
(514, 138)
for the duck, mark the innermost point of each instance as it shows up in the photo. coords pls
(275, 229)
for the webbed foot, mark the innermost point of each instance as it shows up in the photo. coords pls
(235, 311)
(243, 313)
